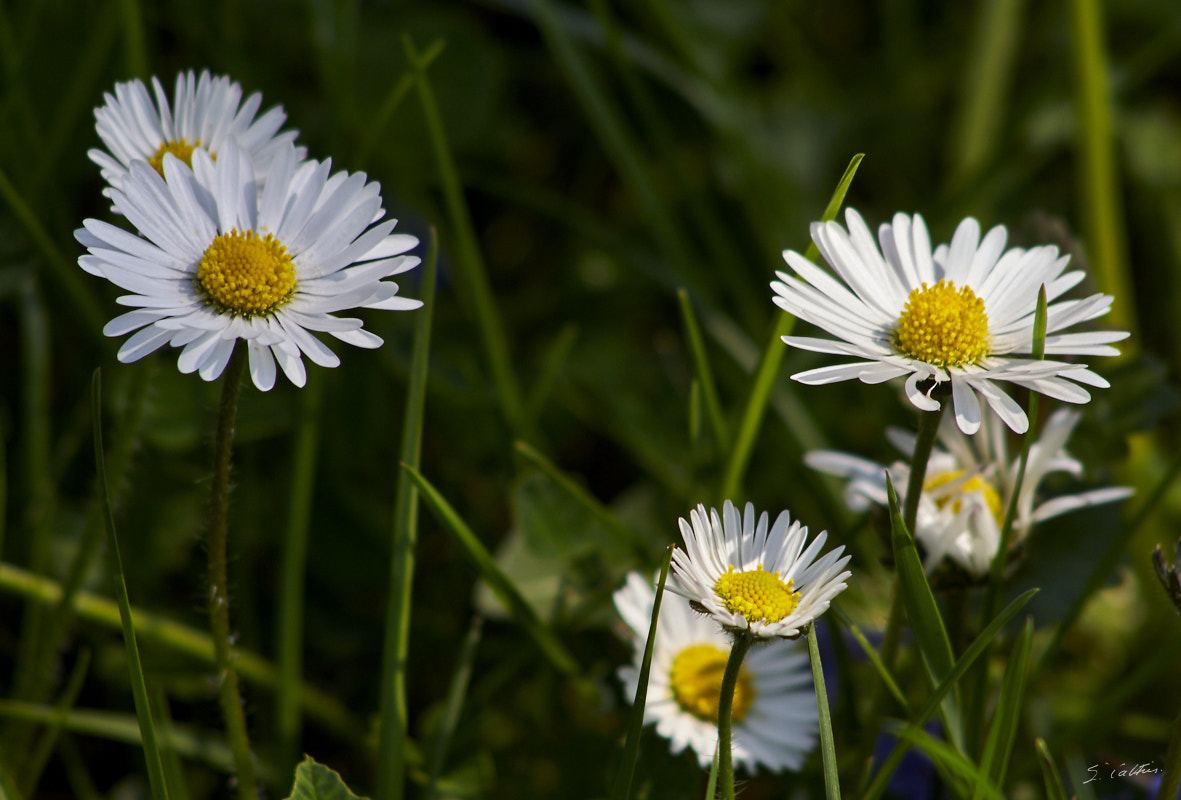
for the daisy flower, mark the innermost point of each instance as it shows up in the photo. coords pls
(963, 314)
(754, 577)
(205, 113)
(774, 716)
(220, 261)
(968, 486)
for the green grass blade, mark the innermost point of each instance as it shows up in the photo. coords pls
(393, 99)
(173, 770)
(621, 789)
(768, 371)
(181, 639)
(289, 648)
(143, 711)
(621, 532)
(391, 743)
(1101, 193)
(951, 759)
(492, 575)
(921, 608)
(456, 695)
(965, 662)
(1003, 732)
(876, 660)
(1050, 774)
(828, 753)
(44, 749)
(705, 377)
(552, 366)
(711, 785)
(469, 262)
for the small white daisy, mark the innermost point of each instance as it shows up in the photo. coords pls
(754, 577)
(205, 113)
(220, 261)
(968, 486)
(963, 314)
(774, 715)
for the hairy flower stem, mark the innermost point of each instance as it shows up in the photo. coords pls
(924, 444)
(219, 598)
(742, 643)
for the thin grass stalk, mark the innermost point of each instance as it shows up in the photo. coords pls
(828, 751)
(742, 643)
(772, 359)
(705, 377)
(393, 99)
(49, 737)
(469, 261)
(621, 790)
(139, 690)
(289, 721)
(391, 743)
(1050, 775)
(456, 694)
(183, 640)
(1102, 212)
(219, 594)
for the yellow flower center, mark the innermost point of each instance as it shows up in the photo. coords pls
(181, 149)
(757, 594)
(246, 274)
(697, 683)
(943, 326)
(974, 484)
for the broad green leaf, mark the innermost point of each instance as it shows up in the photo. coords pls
(314, 781)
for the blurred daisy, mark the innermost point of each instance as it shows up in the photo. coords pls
(219, 262)
(774, 713)
(963, 315)
(754, 577)
(205, 113)
(968, 486)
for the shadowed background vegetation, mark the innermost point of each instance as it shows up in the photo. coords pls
(598, 158)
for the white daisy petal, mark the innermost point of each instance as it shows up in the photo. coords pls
(963, 309)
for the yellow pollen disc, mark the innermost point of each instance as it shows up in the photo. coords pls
(943, 326)
(246, 274)
(756, 594)
(974, 484)
(181, 149)
(696, 681)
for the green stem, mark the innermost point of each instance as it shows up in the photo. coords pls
(742, 643)
(828, 751)
(1172, 777)
(924, 444)
(219, 597)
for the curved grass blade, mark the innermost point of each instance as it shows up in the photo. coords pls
(391, 743)
(621, 790)
(965, 662)
(876, 660)
(768, 371)
(492, 575)
(1050, 774)
(456, 695)
(139, 691)
(999, 747)
(950, 758)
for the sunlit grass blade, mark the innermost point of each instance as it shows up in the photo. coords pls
(994, 762)
(828, 753)
(951, 759)
(1098, 171)
(552, 367)
(491, 574)
(391, 743)
(48, 740)
(621, 789)
(181, 639)
(205, 746)
(456, 695)
(704, 373)
(289, 652)
(1050, 774)
(623, 534)
(962, 665)
(768, 371)
(922, 610)
(469, 262)
(139, 690)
